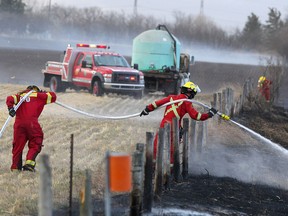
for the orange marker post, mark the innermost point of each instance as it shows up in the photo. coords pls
(118, 176)
(120, 172)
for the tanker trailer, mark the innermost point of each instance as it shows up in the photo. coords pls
(157, 53)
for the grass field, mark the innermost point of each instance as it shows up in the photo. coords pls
(92, 138)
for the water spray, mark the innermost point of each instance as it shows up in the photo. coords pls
(255, 134)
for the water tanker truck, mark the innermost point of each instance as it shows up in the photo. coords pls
(157, 53)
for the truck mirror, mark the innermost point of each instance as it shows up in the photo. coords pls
(192, 60)
(84, 64)
(136, 66)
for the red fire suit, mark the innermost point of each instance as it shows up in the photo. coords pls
(264, 89)
(178, 110)
(26, 126)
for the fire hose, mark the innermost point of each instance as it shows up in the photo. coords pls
(101, 116)
(136, 114)
(15, 108)
(223, 116)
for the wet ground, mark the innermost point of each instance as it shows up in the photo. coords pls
(225, 196)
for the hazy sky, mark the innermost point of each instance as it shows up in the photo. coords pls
(228, 14)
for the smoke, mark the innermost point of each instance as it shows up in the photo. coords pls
(204, 53)
(201, 52)
(250, 161)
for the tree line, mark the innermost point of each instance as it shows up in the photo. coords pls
(16, 18)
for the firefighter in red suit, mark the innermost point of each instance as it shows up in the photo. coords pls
(26, 126)
(264, 87)
(178, 110)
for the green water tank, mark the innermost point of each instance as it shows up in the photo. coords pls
(154, 49)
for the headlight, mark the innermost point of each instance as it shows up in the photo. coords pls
(141, 79)
(107, 77)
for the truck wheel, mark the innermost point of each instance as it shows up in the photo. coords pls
(97, 89)
(55, 84)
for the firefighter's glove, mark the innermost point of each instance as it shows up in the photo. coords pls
(212, 112)
(225, 117)
(12, 112)
(145, 112)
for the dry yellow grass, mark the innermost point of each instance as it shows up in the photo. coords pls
(92, 138)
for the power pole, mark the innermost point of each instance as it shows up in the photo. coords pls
(135, 7)
(202, 8)
(49, 9)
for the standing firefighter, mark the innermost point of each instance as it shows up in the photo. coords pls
(26, 126)
(178, 109)
(264, 87)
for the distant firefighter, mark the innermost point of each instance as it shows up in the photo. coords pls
(264, 87)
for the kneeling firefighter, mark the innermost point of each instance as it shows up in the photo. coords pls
(178, 110)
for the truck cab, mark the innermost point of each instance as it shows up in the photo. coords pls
(95, 68)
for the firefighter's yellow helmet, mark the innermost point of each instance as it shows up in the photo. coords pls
(261, 79)
(33, 87)
(191, 86)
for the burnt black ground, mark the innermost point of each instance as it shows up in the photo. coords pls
(228, 196)
(225, 196)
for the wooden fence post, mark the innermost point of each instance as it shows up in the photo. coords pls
(185, 148)
(167, 169)
(200, 137)
(224, 101)
(107, 195)
(230, 101)
(137, 176)
(159, 165)
(45, 192)
(71, 173)
(193, 136)
(239, 110)
(140, 147)
(176, 165)
(148, 180)
(215, 103)
(85, 196)
(220, 105)
(247, 91)
(220, 101)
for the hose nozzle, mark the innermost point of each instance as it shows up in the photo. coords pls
(225, 117)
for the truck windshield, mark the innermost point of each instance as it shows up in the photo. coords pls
(110, 60)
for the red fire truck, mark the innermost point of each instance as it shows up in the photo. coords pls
(93, 67)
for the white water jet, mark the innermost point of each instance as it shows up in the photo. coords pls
(267, 141)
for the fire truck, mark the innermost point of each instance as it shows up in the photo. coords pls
(95, 68)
